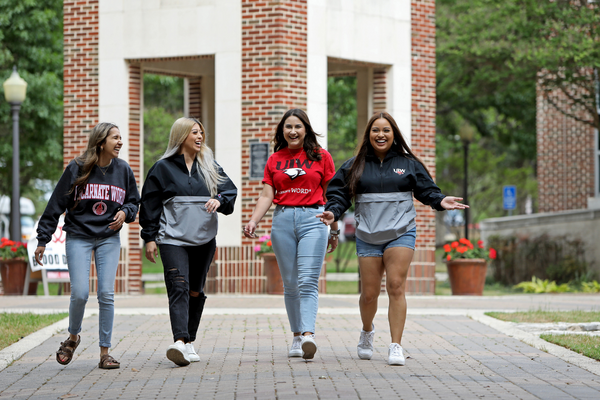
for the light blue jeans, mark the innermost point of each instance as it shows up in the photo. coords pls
(299, 241)
(79, 257)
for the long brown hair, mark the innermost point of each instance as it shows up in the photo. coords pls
(399, 145)
(311, 145)
(89, 158)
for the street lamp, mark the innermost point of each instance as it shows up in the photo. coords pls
(14, 92)
(466, 133)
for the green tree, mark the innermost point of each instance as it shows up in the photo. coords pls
(163, 104)
(491, 55)
(341, 118)
(31, 37)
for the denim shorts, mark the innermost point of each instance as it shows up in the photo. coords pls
(364, 249)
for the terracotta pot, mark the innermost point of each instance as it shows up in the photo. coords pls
(13, 275)
(274, 282)
(467, 276)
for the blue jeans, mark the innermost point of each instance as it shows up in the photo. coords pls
(79, 257)
(299, 241)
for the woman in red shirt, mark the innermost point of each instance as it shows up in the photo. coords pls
(295, 179)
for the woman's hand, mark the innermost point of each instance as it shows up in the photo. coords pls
(38, 254)
(151, 251)
(118, 221)
(452, 203)
(326, 217)
(212, 205)
(332, 243)
(249, 229)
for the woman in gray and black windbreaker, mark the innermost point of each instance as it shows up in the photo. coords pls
(180, 197)
(382, 179)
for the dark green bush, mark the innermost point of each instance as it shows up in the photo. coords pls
(557, 258)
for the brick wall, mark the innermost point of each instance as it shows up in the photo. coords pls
(422, 279)
(565, 158)
(80, 75)
(274, 51)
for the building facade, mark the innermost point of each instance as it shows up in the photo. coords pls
(244, 63)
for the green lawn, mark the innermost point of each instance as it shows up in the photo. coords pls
(589, 346)
(16, 326)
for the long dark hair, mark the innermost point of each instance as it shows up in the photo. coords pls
(399, 145)
(89, 158)
(311, 145)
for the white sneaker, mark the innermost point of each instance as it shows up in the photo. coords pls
(296, 349)
(365, 344)
(192, 355)
(395, 355)
(177, 352)
(309, 347)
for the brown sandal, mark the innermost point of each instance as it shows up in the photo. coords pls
(108, 362)
(66, 350)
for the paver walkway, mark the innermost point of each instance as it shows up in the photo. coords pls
(243, 349)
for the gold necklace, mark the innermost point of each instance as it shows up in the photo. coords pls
(104, 169)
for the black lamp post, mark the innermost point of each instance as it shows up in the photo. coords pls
(466, 133)
(14, 92)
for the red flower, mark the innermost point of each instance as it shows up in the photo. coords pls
(480, 244)
(447, 248)
(470, 246)
(14, 249)
(464, 241)
(454, 245)
(493, 254)
(448, 257)
(462, 249)
(269, 243)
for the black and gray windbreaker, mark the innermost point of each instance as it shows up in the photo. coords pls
(384, 196)
(173, 204)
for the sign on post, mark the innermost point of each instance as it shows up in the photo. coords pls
(55, 255)
(509, 197)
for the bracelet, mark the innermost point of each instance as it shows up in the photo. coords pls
(333, 236)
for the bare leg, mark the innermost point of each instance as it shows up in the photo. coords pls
(396, 261)
(371, 272)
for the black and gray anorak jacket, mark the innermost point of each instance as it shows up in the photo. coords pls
(173, 208)
(384, 196)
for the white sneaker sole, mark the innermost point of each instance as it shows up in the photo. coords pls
(396, 362)
(177, 357)
(308, 350)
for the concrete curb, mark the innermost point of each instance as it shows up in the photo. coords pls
(509, 329)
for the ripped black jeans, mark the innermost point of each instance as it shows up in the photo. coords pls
(185, 274)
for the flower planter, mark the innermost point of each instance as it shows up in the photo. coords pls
(13, 276)
(274, 282)
(467, 276)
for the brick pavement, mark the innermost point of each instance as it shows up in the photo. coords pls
(244, 356)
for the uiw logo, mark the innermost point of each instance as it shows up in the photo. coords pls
(399, 171)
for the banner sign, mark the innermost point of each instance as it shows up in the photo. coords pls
(55, 256)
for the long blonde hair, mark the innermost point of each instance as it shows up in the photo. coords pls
(89, 157)
(205, 158)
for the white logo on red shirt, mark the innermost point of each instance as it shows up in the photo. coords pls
(293, 173)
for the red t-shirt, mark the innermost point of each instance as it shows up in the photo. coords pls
(296, 179)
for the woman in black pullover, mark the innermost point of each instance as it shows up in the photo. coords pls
(182, 192)
(382, 179)
(99, 193)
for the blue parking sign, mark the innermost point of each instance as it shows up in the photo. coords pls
(509, 197)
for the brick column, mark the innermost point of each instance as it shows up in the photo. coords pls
(422, 270)
(80, 75)
(195, 97)
(565, 157)
(274, 53)
(134, 252)
(379, 91)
